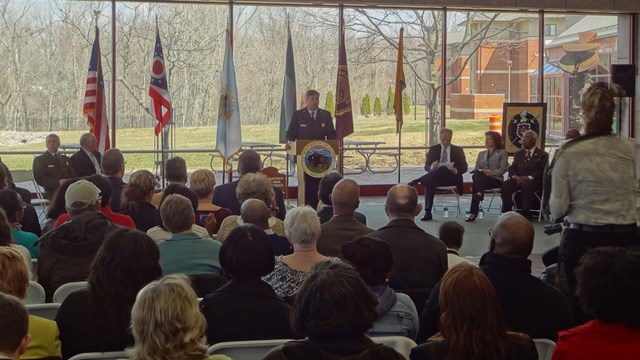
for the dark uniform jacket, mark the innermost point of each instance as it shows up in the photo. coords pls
(303, 127)
(48, 171)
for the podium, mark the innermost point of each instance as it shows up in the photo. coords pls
(315, 158)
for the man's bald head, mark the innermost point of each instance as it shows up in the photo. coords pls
(512, 236)
(254, 211)
(345, 197)
(402, 202)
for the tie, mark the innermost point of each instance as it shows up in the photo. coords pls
(445, 156)
(313, 115)
(526, 160)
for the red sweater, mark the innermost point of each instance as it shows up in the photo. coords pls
(118, 219)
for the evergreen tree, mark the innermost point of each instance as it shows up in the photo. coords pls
(377, 107)
(366, 105)
(329, 104)
(389, 108)
(406, 106)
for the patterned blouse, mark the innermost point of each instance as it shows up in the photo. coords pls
(285, 280)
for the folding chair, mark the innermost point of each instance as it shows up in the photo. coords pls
(26, 176)
(245, 350)
(453, 190)
(35, 294)
(47, 311)
(64, 290)
(545, 348)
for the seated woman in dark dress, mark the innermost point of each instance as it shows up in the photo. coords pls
(333, 310)
(489, 171)
(97, 319)
(246, 308)
(471, 323)
(136, 199)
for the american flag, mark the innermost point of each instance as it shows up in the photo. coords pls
(94, 99)
(160, 107)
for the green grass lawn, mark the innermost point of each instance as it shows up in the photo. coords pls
(466, 132)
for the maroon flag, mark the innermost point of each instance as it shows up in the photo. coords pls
(160, 107)
(94, 99)
(344, 113)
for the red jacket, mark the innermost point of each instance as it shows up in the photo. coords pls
(598, 340)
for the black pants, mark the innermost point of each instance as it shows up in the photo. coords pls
(575, 243)
(431, 180)
(528, 190)
(311, 185)
(481, 182)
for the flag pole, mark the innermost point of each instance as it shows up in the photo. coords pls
(340, 30)
(230, 35)
(113, 73)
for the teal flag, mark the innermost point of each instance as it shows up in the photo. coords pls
(288, 103)
(228, 135)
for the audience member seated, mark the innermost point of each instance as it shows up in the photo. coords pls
(105, 197)
(525, 174)
(424, 258)
(13, 206)
(29, 222)
(253, 186)
(136, 198)
(51, 169)
(159, 233)
(167, 324)
(203, 183)
(489, 171)
(185, 252)
(246, 308)
(445, 165)
(14, 326)
(332, 312)
(113, 168)
(343, 226)
(175, 172)
(7, 241)
(373, 259)
(451, 234)
(66, 253)
(608, 291)
(249, 162)
(97, 319)
(325, 205)
(57, 206)
(529, 305)
(86, 161)
(254, 211)
(45, 338)
(302, 227)
(471, 324)
(24, 193)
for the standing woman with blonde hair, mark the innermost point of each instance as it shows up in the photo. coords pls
(471, 324)
(167, 323)
(594, 184)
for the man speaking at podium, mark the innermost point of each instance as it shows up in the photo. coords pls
(311, 123)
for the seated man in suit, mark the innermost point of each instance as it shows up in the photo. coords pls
(225, 195)
(256, 212)
(86, 161)
(445, 165)
(51, 168)
(525, 174)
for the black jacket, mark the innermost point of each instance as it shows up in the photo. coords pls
(303, 127)
(456, 155)
(83, 165)
(48, 171)
(66, 253)
(535, 166)
(529, 305)
(246, 309)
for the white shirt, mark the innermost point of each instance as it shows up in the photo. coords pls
(94, 161)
